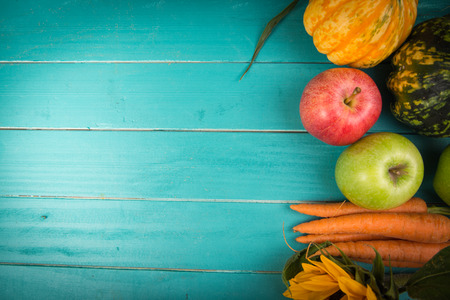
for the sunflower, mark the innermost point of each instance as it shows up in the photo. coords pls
(321, 279)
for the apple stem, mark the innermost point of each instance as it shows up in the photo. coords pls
(356, 91)
(396, 172)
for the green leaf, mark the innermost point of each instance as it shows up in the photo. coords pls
(378, 267)
(292, 267)
(392, 292)
(401, 279)
(432, 281)
(268, 30)
(374, 285)
(294, 264)
(344, 256)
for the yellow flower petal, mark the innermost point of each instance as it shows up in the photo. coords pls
(296, 289)
(324, 294)
(370, 294)
(321, 279)
(320, 266)
(318, 285)
(352, 288)
(299, 293)
(295, 292)
(301, 276)
(288, 294)
(308, 268)
(311, 286)
(333, 269)
(310, 277)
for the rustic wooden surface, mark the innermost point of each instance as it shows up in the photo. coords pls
(135, 165)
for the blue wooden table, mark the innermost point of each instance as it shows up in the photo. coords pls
(135, 165)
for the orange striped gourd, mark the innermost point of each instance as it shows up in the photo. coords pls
(360, 34)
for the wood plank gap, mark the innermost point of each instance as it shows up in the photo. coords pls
(301, 131)
(255, 201)
(157, 129)
(136, 268)
(13, 62)
(262, 201)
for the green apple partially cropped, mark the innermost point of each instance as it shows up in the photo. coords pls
(441, 181)
(380, 171)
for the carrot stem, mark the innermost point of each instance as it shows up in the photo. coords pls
(439, 210)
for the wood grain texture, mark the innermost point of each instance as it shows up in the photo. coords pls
(133, 162)
(145, 30)
(203, 165)
(239, 237)
(190, 165)
(165, 96)
(20, 282)
(154, 30)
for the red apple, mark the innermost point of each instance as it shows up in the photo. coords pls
(338, 106)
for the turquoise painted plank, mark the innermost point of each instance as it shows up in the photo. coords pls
(24, 283)
(174, 96)
(147, 30)
(229, 237)
(212, 165)
(158, 30)
(186, 165)
(21, 282)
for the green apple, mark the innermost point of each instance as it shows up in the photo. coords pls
(380, 171)
(441, 181)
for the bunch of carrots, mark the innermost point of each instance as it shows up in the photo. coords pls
(406, 236)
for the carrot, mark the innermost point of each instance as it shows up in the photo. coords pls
(339, 237)
(393, 263)
(346, 208)
(425, 228)
(396, 250)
